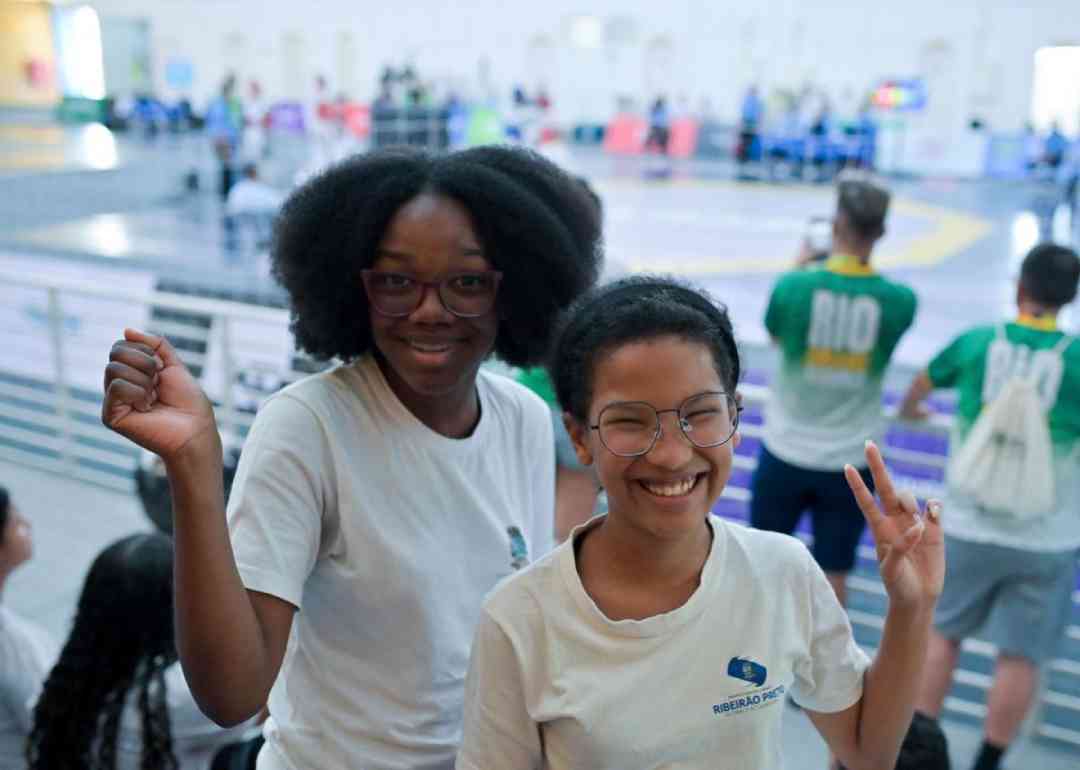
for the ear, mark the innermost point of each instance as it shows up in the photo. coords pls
(579, 435)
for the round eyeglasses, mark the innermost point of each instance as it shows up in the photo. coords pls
(466, 295)
(632, 428)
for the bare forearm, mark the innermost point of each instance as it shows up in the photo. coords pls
(920, 388)
(221, 643)
(892, 684)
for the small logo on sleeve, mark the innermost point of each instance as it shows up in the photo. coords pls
(519, 550)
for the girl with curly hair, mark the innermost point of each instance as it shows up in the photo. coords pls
(659, 634)
(116, 700)
(26, 651)
(384, 497)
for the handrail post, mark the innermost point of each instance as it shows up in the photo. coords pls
(228, 376)
(60, 389)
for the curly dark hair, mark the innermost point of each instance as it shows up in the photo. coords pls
(630, 310)
(120, 645)
(537, 225)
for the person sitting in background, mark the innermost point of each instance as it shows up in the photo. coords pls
(117, 697)
(924, 746)
(252, 196)
(252, 204)
(26, 651)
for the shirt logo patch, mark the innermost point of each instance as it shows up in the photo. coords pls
(754, 676)
(748, 671)
(519, 551)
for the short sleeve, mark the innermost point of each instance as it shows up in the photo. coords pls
(911, 303)
(945, 368)
(774, 313)
(278, 499)
(830, 677)
(499, 733)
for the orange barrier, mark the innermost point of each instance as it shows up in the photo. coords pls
(625, 135)
(684, 136)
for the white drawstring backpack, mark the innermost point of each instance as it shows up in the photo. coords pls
(1006, 464)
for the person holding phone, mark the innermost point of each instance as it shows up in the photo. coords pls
(837, 324)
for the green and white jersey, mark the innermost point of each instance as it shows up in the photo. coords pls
(977, 364)
(837, 327)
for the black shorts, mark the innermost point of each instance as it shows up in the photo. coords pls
(782, 492)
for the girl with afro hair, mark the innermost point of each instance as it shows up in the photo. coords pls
(384, 497)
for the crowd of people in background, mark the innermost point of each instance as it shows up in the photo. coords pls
(344, 596)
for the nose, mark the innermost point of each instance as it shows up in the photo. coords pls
(672, 449)
(431, 308)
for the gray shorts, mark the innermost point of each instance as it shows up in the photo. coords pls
(1017, 600)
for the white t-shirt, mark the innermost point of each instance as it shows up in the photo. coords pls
(387, 536)
(195, 739)
(27, 653)
(250, 196)
(553, 683)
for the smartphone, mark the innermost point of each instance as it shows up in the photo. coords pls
(819, 236)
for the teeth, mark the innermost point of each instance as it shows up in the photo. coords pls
(429, 348)
(677, 489)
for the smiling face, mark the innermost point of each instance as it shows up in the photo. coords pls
(667, 492)
(431, 353)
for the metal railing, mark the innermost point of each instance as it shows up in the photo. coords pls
(56, 337)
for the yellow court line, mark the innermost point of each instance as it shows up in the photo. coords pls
(32, 159)
(953, 231)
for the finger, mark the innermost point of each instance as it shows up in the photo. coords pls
(882, 481)
(934, 510)
(864, 498)
(138, 356)
(159, 344)
(909, 506)
(120, 398)
(120, 371)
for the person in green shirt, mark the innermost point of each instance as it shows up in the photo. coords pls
(1009, 578)
(837, 325)
(576, 489)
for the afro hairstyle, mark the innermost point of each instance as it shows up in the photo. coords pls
(536, 224)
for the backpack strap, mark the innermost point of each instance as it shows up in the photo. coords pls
(1063, 344)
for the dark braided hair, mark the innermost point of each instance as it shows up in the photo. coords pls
(119, 648)
(631, 310)
(537, 224)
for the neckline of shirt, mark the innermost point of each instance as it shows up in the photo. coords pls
(368, 368)
(1038, 323)
(849, 265)
(657, 625)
